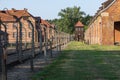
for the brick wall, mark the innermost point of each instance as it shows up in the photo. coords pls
(25, 31)
(101, 30)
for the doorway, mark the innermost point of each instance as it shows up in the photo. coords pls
(117, 32)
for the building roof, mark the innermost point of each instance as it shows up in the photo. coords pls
(18, 13)
(104, 6)
(53, 26)
(46, 23)
(6, 18)
(38, 19)
(79, 24)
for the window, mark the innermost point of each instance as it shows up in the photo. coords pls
(6, 25)
(14, 34)
(82, 29)
(76, 29)
(23, 34)
(14, 25)
(30, 34)
(50, 31)
(25, 17)
(79, 29)
(29, 25)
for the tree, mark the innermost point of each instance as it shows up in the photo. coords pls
(69, 17)
(86, 20)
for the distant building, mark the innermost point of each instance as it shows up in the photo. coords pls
(8, 19)
(104, 28)
(79, 31)
(52, 31)
(48, 28)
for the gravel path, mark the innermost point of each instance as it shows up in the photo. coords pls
(23, 71)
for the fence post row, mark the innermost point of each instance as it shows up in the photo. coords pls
(20, 35)
(58, 39)
(19, 47)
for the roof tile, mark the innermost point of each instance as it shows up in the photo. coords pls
(46, 23)
(79, 24)
(6, 18)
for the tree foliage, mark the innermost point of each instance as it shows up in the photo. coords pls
(69, 17)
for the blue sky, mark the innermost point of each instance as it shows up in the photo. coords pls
(48, 9)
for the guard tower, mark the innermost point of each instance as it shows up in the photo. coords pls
(79, 31)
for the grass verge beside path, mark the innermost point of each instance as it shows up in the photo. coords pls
(84, 62)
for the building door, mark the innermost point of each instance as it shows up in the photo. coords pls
(117, 32)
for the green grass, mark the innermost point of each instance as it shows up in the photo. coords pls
(84, 62)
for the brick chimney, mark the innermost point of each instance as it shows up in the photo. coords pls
(13, 9)
(25, 9)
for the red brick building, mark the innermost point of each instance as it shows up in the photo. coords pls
(46, 26)
(104, 28)
(79, 31)
(7, 18)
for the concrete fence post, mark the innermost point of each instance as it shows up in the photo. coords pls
(40, 42)
(51, 55)
(3, 69)
(20, 42)
(56, 40)
(3, 55)
(45, 45)
(33, 47)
